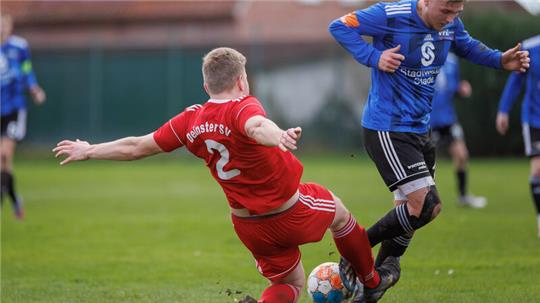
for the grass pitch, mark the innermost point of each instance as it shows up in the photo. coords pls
(158, 230)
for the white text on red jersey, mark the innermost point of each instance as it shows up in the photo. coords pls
(207, 128)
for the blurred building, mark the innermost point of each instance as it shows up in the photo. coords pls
(158, 24)
(97, 58)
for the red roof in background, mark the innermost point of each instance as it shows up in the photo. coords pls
(194, 23)
(44, 12)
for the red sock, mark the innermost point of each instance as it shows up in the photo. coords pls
(353, 244)
(280, 293)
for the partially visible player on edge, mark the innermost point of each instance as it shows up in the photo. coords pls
(17, 77)
(446, 132)
(272, 212)
(530, 114)
(411, 40)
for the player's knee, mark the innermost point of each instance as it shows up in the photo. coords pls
(431, 208)
(415, 205)
(341, 216)
(464, 153)
(436, 211)
(7, 157)
(5, 163)
(299, 285)
(535, 168)
(463, 159)
(296, 280)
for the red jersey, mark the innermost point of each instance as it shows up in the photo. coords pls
(253, 176)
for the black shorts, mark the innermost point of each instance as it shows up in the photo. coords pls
(14, 125)
(444, 136)
(531, 138)
(401, 158)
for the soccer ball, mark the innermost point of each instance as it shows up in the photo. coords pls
(324, 284)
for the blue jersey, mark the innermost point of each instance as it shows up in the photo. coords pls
(401, 101)
(530, 109)
(16, 74)
(447, 84)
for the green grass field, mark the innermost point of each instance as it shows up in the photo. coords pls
(158, 230)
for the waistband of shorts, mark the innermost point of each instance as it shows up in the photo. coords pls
(244, 213)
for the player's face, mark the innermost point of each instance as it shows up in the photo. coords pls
(7, 26)
(441, 12)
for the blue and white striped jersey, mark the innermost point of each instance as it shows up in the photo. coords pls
(401, 101)
(447, 84)
(16, 74)
(530, 109)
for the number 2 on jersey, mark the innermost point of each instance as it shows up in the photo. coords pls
(212, 145)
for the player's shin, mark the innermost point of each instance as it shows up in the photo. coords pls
(353, 245)
(399, 222)
(461, 176)
(395, 247)
(8, 183)
(3, 187)
(535, 191)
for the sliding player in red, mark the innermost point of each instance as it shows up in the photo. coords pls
(272, 212)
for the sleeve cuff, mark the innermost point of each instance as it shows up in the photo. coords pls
(499, 59)
(374, 58)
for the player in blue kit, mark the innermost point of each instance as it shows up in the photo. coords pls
(411, 40)
(17, 78)
(446, 132)
(530, 113)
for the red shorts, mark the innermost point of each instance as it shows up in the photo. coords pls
(273, 240)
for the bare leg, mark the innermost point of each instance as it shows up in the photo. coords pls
(287, 289)
(395, 247)
(7, 150)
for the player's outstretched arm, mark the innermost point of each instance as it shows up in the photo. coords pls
(515, 59)
(125, 149)
(267, 133)
(511, 92)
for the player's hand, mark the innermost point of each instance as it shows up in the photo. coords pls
(516, 60)
(390, 59)
(465, 89)
(73, 150)
(38, 94)
(502, 123)
(289, 138)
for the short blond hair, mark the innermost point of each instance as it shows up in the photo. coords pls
(221, 67)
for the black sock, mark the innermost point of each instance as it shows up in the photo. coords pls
(535, 190)
(462, 182)
(395, 247)
(395, 223)
(9, 182)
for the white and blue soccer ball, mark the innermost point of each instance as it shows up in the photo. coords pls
(324, 284)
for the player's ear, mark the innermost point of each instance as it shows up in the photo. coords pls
(206, 88)
(240, 83)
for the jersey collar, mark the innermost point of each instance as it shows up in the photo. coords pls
(219, 101)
